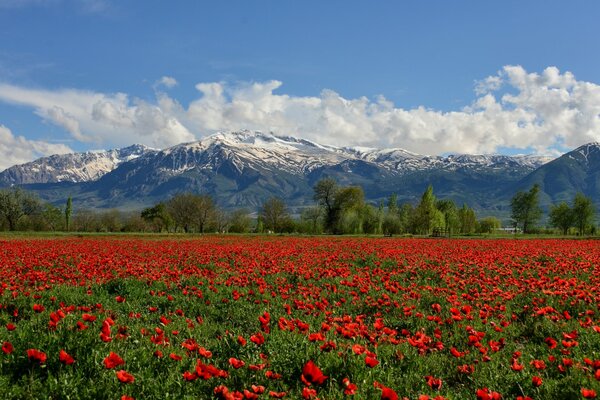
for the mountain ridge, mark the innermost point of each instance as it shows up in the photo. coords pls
(244, 168)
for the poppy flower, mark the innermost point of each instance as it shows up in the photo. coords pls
(65, 358)
(11, 327)
(371, 361)
(434, 383)
(312, 374)
(7, 347)
(113, 360)
(36, 355)
(308, 393)
(125, 377)
(349, 388)
(536, 381)
(235, 363)
(38, 308)
(588, 393)
(388, 394)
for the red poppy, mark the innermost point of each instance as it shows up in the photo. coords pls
(388, 394)
(65, 358)
(235, 363)
(588, 393)
(312, 374)
(349, 388)
(113, 360)
(7, 347)
(308, 393)
(434, 383)
(10, 326)
(125, 377)
(536, 381)
(36, 355)
(371, 361)
(38, 308)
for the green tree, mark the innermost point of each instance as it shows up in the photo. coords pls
(583, 212)
(488, 225)
(51, 217)
(325, 192)
(448, 208)
(467, 220)
(311, 216)
(158, 216)
(205, 211)
(15, 204)
(525, 208)
(274, 214)
(561, 217)
(183, 208)
(68, 212)
(425, 212)
(239, 221)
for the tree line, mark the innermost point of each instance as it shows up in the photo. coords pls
(337, 210)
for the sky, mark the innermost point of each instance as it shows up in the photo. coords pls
(432, 77)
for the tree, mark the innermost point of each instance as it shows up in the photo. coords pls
(526, 209)
(583, 212)
(424, 213)
(325, 193)
(467, 220)
(15, 204)
(51, 217)
(239, 221)
(158, 216)
(561, 217)
(312, 217)
(205, 211)
(183, 209)
(448, 208)
(275, 214)
(488, 225)
(68, 212)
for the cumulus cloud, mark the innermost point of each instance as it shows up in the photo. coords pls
(18, 150)
(511, 109)
(166, 81)
(106, 119)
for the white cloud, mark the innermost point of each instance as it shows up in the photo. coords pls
(538, 111)
(166, 81)
(18, 150)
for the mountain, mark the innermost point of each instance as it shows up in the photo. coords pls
(560, 179)
(75, 167)
(244, 168)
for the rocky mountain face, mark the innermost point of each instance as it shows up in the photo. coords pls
(245, 168)
(76, 167)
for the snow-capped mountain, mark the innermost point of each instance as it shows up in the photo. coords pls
(244, 168)
(75, 167)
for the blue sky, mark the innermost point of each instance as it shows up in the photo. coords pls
(428, 76)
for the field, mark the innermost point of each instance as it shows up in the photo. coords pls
(270, 317)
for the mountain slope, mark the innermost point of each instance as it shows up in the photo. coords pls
(562, 178)
(75, 167)
(245, 168)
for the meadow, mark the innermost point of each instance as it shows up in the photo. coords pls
(257, 317)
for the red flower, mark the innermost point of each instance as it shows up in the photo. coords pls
(388, 394)
(38, 308)
(349, 388)
(125, 377)
(235, 363)
(175, 357)
(36, 355)
(10, 326)
(113, 360)
(371, 361)
(308, 393)
(312, 374)
(588, 393)
(277, 395)
(65, 358)
(434, 383)
(536, 381)
(7, 347)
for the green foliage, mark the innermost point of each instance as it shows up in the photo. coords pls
(488, 225)
(561, 217)
(525, 208)
(583, 212)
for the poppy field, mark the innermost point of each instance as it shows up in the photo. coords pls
(242, 317)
